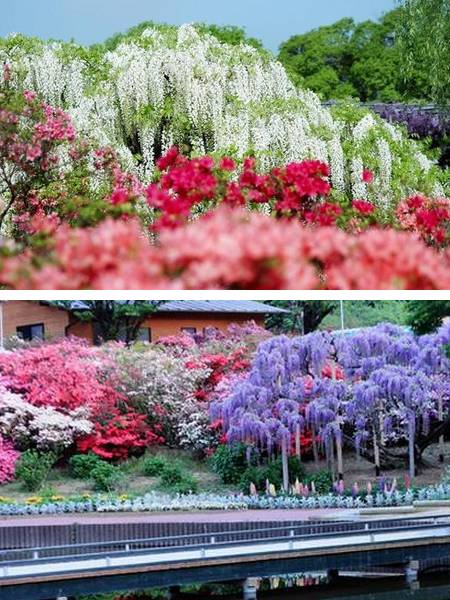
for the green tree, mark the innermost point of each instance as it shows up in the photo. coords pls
(321, 59)
(425, 316)
(362, 60)
(365, 313)
(424, 39)
(304, 316)
(113, 319)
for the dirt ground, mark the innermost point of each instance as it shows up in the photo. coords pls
(362, 471)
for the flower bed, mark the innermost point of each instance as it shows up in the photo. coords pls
(157, 502)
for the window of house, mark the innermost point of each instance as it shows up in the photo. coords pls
(189, 330)
(31, 332)
(144, 334)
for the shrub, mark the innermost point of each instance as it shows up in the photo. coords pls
(323, 481)
(8, 460)
(33, 468)
(175, 480)
(106, 477)
(272, 471)
(121, 436)
(153, 466)
(63, 375)
(82, 465)
(229, 462)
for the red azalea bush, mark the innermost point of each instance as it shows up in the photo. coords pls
(187, 183)
(120, 436)
(220, 367)
(428, 217)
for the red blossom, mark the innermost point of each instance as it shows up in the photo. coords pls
(227, 164)
(363, 207)
(367, 176)
(428, 218)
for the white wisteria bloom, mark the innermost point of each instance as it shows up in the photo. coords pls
(359, 188)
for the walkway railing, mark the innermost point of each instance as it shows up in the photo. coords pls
(216, 537)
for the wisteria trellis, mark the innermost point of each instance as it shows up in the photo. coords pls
(383, 385)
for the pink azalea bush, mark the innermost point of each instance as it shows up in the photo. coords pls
(231, 249)
(8, 459)
(66, 375)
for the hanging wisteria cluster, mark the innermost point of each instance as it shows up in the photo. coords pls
(179, 86)
(380, 386)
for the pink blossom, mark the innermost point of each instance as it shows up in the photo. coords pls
(29, 96)
(8, 460)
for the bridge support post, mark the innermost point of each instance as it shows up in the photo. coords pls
(332, 575)
(412, 574)
(250, 589)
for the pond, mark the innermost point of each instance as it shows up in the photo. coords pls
(433, 586)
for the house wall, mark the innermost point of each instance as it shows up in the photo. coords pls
(171, 323)
(81, 329)
(17, 313)
(58, 323)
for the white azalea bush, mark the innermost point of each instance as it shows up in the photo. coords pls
(43, 427)
(182, 86)
(161, 385)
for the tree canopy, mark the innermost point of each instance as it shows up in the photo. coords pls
(362, 60)
(424, 41)
(425, 316)
(113, 319)
(303, 317)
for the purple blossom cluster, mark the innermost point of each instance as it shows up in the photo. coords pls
(420, 121)
(383, 384)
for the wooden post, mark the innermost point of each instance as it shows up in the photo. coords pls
(441, 437)
(298, 449)
(340, 462)
(412, 466)
(376, 454)
(332, 461)
(314, 448)
(284, 460)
